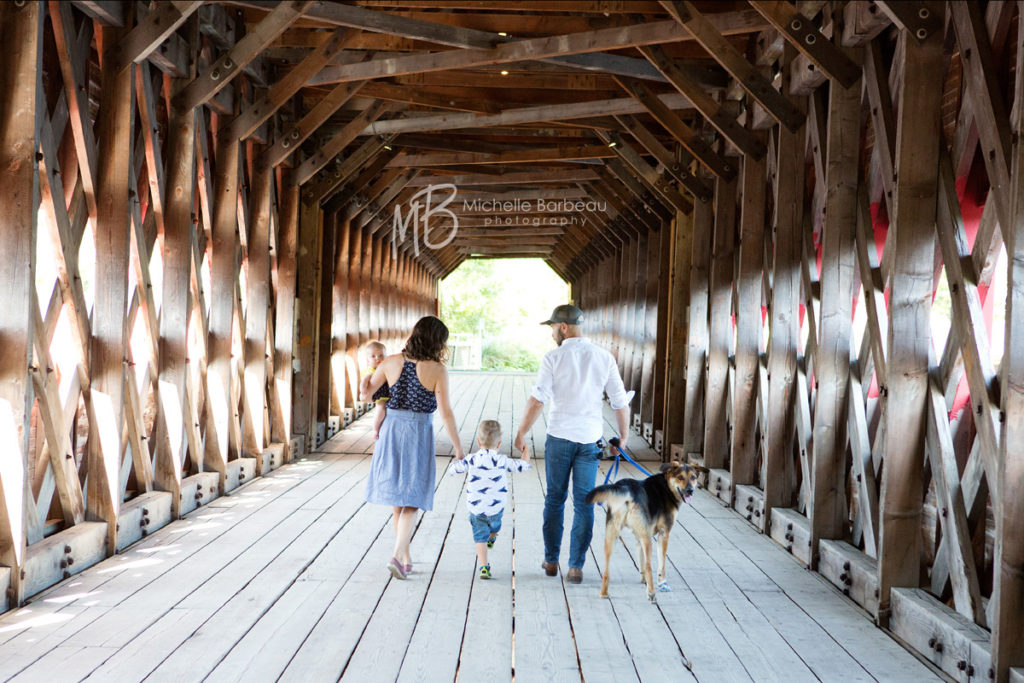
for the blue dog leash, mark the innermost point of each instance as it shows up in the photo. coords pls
(613, 471)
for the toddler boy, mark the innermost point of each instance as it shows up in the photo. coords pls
(487, 488)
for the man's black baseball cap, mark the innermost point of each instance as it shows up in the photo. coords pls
(566, 313)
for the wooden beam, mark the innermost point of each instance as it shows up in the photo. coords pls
(336, 144)
(716, 434)
(352, 311)
(175, 309)
(246, 123)
(321, 389)
(784, 319)
(292, 139)
(151, 32)
(983, 87)
(21, 104)
(324, 186)
(657, 182)
(106, 12)
(678, 313)
(686, 136)
(115, 183)
(920, 20)
(284, 314)
(560, 153)
(697, 332)
(704, 103)
(910, 291)
(802, 34)
(502, 251)
(511, 117)
(512, 178)
(221, 376)
(72, 68)
(1008, 590)
(744, 443)
(599, 40)
(673, 166)
(257, 295)
(203, 87)
(308, 308)
(828, 512)
(759, 87)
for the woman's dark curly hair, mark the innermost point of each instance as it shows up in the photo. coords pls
(428, 341)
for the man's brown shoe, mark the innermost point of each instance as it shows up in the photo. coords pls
(550, 568)
(575, 575)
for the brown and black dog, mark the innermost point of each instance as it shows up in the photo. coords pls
(649, 508)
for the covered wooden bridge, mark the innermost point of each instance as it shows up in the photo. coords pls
(794, 224)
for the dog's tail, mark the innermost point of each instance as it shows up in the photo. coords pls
(600, 494)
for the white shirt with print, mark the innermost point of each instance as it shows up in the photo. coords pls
(487, 483)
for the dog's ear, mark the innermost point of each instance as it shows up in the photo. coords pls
(666, 466)
(700, 469)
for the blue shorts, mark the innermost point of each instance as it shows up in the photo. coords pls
(485, 525)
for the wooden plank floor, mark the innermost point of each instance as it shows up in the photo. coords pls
(284, 579)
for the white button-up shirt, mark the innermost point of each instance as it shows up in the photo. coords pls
(572, 381)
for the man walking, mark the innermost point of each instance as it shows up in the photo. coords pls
(573, 379)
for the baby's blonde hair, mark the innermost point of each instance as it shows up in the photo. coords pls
(489, 433)
(373, 344)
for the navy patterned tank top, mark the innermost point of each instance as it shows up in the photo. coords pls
(408, 394)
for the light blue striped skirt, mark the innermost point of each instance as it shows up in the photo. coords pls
(403, 470)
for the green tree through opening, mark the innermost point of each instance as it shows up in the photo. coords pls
(503, 301)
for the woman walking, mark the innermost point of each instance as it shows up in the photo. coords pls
(402, 472)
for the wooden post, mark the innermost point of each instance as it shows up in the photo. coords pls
(365, 274)
(785, 312)
(175, 311)
(322, 363)
(827, 509)
(339, 321)
(650, 264)
(743, 449)
(308, 305)
(220, 376)
(678, 308)
(912, 239)
(697, 326)
(628, 304)
(1008, 590)
(284, 315)
(716, 432)
(109, 327)
(376, 288)
(663, 282)
(21, 109)
(352, 315)
(257, 298)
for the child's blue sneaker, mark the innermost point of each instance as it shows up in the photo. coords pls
(485, 571)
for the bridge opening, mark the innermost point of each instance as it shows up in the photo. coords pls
(493, 307)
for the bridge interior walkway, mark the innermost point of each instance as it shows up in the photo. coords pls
(283, 579)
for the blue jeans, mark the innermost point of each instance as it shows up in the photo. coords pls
(562, 458)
